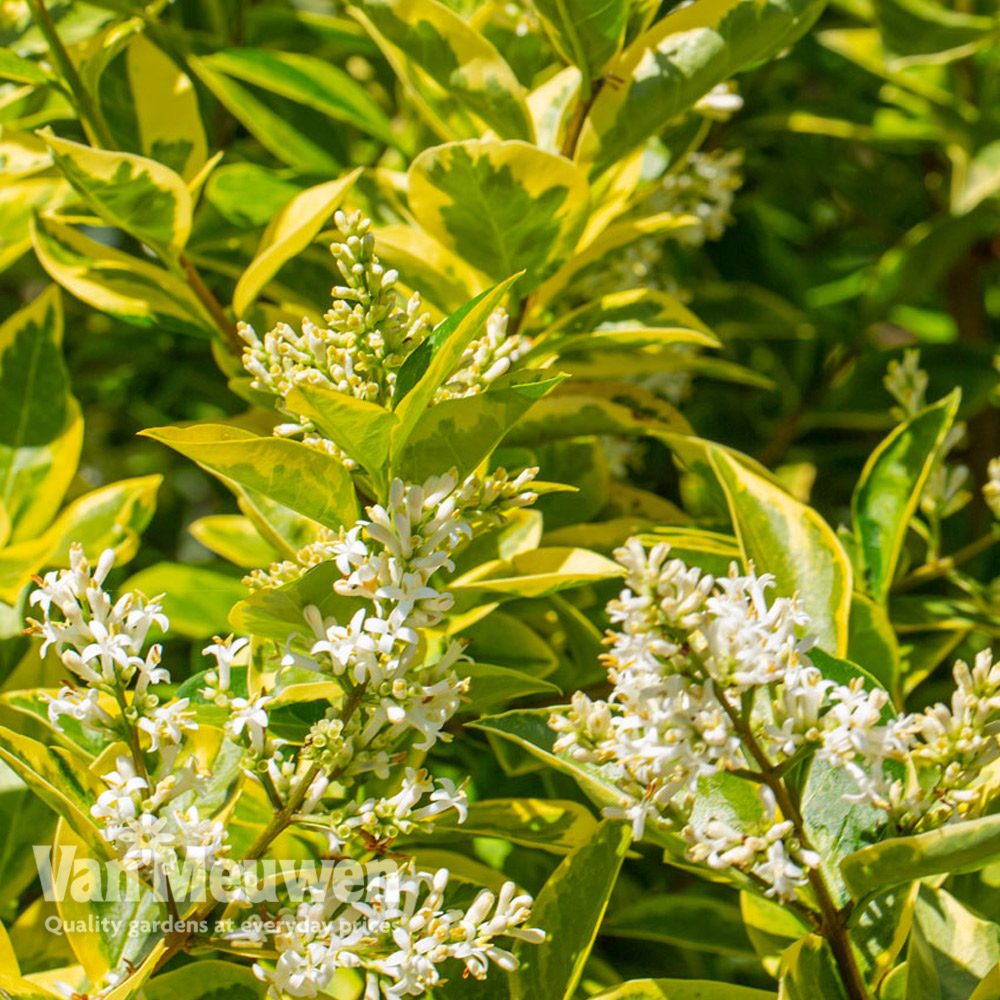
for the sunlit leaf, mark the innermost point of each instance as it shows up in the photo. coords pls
(502, 206)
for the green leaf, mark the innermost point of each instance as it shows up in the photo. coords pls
(362, 429)
(872, 642)
(235, 538)
(206, 979)
(491, 686)
(782, 536)
(140, 196)
(951, 949)
(197, 601)
(771, 928)
(962, 847)
(548, 824)
(301, 140)
(836, 832)
(684, 921)
(679, 60)
(681, 989)
(19, 201)
(27, 821)
(586, 33)
(21, 70)
(110, 517)
(429, 366)
(575, 411)
(530, 730)
(276, 612)
(164, 104)
(131, 289)
(501, 638)
(889, 489)
(501, 206)
(308, 481)
(460, 60)
(41, 428)
(809, 972)
(305, 79)
(461, 433)
(59, 779)
(880, 929)
(539, 572)
(90, 926)
(635, 318)
(981, 180)
(570, 908)
(248, 195)
(926, 28)
(288, 234)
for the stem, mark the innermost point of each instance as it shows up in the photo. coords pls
(134, 743)
(832, 922)
(568, 149)
(575, 127)
(937, 568)
(90, 116)
(277, 825)
(284, 816)
(226, 326)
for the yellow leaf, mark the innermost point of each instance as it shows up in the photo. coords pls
(289, 233)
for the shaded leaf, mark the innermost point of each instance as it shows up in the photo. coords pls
(131, 289)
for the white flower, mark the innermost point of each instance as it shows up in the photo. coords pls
(399, 935)
(249, 716)
(166, 725)
(225, 652)
(78, 703)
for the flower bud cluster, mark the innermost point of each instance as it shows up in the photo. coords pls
(368, 337)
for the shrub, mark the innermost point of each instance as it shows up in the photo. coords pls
(528, 635)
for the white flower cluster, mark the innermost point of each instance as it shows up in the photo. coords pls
(478, 502)
(148, 808)
(398, 935)
(393, 687)
(100, 642)
(367, 339)
(710, 676)
(769, 848)
(940, 754)
(704, 187)
(387, 563)
(396, 688)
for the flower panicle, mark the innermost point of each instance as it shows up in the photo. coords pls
(714, 675)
